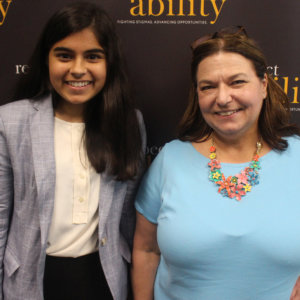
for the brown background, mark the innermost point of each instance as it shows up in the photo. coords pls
(158, 55)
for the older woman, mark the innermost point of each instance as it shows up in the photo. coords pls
(219, 208)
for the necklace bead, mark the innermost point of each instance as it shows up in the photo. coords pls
(238, 185)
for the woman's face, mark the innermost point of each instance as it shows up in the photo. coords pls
(230, 94)
(77, 67)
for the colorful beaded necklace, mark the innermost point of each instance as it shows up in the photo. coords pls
(238, 185)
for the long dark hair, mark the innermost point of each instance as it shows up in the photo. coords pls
(112, 132)
(274, 119)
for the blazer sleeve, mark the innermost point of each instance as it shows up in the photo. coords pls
(6, 197)
(127, 223)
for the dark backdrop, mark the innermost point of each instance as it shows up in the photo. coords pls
(155, 37)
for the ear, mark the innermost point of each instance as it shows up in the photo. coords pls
(264, 82)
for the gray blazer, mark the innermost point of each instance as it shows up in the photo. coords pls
(27, 184)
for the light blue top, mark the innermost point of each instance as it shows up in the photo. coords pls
(217, 248)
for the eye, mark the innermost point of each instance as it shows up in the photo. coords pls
(94, 57)
(206, 87)
(238, 82)
(63, 56)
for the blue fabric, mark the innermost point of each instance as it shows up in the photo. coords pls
(216, 248)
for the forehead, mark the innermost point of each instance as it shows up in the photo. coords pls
(85, 38)
(226, 64)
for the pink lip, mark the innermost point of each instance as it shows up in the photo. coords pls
(78, 90)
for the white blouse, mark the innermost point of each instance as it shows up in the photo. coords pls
(73, 231)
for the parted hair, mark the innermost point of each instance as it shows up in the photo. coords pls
(112, 133)
(274, 120)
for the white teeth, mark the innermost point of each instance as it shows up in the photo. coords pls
(227, 113)
(78, 83)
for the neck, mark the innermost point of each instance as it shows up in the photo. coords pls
(69, 112)
(235, 150)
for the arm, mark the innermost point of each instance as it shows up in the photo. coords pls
(145, 259)
(296, 291)
(6, 198)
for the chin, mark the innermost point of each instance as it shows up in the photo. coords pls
(229, 132)
(78, 102)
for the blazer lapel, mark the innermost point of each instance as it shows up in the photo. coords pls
(42, 137)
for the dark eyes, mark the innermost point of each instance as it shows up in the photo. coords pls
(206, 87)
(235, 83)
(94, 56)
(63, 56)
(89, 57)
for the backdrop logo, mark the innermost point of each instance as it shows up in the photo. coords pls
(288, 83)
(3, 10)
(210, 9)
(22, 69)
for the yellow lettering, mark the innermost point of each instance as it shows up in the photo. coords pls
(161, 9)
(192, 10)
(295, 92)
(138, 9)
(171, 13)
(175, 8)
(286, 88)
(181, 8)
(286, 84)
(202, 12)
(217, 11)
(3, 11)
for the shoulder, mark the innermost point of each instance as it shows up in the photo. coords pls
(20, 110)
(293, 140)
(16, 106)
(176, 147)
(293, 145)
(291, 155)
(171, 154)
(15, 114)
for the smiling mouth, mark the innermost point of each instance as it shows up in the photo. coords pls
(227, 113)
(78, 83)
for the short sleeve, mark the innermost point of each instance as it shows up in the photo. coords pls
(148, 200)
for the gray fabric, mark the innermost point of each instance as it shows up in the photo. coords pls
(27, 185)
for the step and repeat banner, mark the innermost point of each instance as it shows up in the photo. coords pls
(156, 37)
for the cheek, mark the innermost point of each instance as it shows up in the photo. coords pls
(259, 99)
(56, 76)
(54, 73)
(52, 79)
(204, 104)
(101, 72)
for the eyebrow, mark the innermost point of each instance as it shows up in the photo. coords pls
(206, 81)
(96, 50)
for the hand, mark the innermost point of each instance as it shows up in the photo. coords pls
(296, 290)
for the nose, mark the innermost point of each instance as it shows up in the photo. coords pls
(223, 96)
(78, 68)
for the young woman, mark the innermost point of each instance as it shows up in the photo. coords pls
(71, 155)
